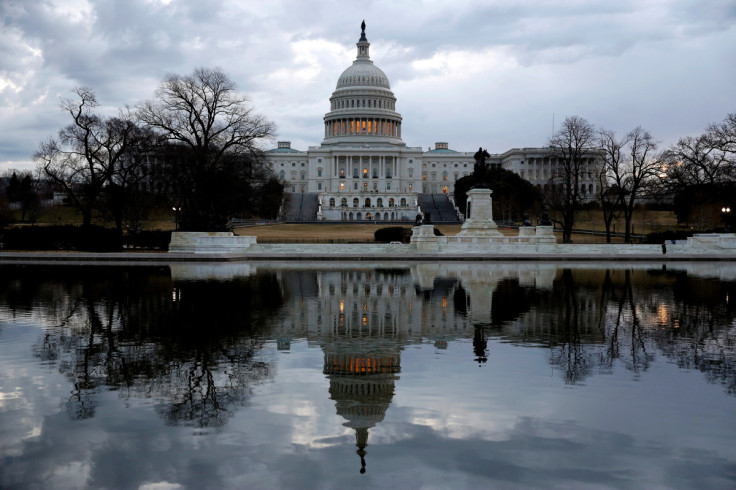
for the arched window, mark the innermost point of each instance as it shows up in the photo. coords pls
(390, 202)
(379, 202)
(367, 202)
(344, 202)
(403, 202)
(332, 202)
(444, 176)
(356, 202)
(411, 172)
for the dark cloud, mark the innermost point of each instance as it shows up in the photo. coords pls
(585, 58)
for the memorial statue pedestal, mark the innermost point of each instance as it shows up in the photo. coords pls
(479, 215)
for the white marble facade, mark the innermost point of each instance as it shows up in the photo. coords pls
(363, 169)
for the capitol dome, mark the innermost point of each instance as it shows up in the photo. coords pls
(363, 107)
(363, 73)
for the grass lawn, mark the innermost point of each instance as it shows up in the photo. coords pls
(340, 233)
(644, 222)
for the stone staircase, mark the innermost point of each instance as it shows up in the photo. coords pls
(302, 207)
(440, 208)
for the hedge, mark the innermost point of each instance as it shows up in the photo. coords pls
(91, 239)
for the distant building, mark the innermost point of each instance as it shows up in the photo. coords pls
(364, 171)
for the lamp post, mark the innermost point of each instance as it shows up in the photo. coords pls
(726, 216)
(177, 213)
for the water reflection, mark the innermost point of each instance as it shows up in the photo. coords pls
(194, 340)
(190, 346)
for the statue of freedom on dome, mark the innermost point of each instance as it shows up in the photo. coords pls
(362, 26)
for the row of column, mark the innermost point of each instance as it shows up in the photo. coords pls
(363, 162)
(363, 125)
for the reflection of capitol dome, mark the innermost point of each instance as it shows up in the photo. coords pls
(362, 107)
(362, 387)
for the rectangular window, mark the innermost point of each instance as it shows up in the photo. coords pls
(319, 186)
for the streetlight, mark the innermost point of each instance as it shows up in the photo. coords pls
(177, 213)
(726, 216)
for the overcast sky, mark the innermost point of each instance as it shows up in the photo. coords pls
(472, 73)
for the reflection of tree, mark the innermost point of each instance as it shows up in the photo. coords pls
(569, 352)
(480, 345)
(191, 346)
(686, 318)
(699, 332)
(510, 300)
(623, 325)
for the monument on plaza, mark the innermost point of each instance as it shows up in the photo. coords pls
(479, 214)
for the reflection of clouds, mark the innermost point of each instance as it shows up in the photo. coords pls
(470, 429)
(449, 423)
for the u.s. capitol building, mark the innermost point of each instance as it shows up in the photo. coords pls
(363, 170)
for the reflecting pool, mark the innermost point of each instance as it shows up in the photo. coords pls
(345, 375)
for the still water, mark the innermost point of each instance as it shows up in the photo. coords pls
(333, 375)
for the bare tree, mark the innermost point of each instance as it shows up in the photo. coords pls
(88, 152)
(609, 180)
(214, 143)
(700, 172)
(695, 161)
(722, 138)
(572, 145)
(631, 165)
(643, 167)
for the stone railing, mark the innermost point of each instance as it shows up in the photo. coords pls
(209, 242)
